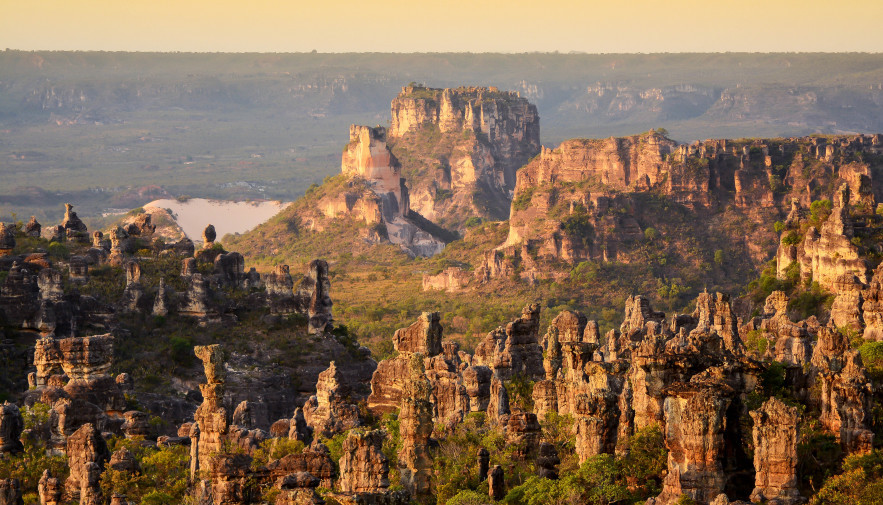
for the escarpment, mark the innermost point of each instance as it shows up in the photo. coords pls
(601, 200)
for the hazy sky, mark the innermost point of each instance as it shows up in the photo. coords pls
(452, 25)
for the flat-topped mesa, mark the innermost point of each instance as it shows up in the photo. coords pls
(486, 136)
(509, 121)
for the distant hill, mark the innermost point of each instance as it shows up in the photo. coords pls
(97, 128)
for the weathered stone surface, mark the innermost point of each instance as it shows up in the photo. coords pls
(134, 292)
(11, 426)
(694, 435)
(496, 132)
(163, 300)
(74, 227)
(78, 269)
(477, 382)
(50, 489)
(316, 286)
(298, 489)
(142, 226)
(845, 391)
(415, 428)
(872, 307)
(329, 412)
(137, 424)
(514, 350)
(315, 460)
(299, 429)
(124, 461)
(484, 462)
(87, 453)
(775, 453)
(32, 228)
(363, 467)
(846, 312)
(793, 342)
(423, 336)
(496, 483)
(451, 279)
(280, 290)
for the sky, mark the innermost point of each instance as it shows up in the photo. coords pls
(591, 26)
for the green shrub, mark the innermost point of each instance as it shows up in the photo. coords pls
(861, 482)
(523, 199)
(57, 250)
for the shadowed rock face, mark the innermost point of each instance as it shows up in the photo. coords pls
(11, 425)
(775, 453)
(317, 285)
(10, 492)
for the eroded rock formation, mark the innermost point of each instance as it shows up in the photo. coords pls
(775, 453)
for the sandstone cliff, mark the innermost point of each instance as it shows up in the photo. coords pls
(461, 148)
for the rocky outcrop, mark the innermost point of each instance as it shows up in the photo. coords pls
(845, 391)
(11, 426)
(7, 239)
(316, 287)
(87, 454)
(133, 294)
(85, 364)
(208, 236)
(363, 467)
(32, 228)
(423, 336)
(367, 158)
(50, 489)
(497, 132)
(315, 460)
(10, 492)
(775, 453)
(523, 433)
(547, 461)
(695, 422)
(825, 255)
(298, 489)
(328, 412)
(415, 428)
(451, 280)
(73, 226)
(496, 483)
(392, 375)
(514, 350)
(208, 454)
